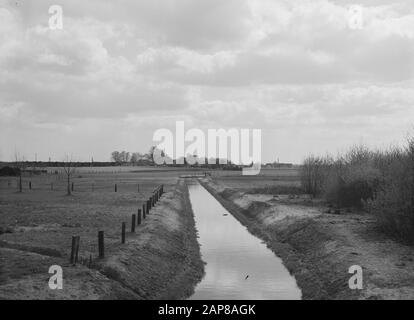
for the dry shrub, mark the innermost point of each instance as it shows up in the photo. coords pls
(352, 179)
(346, 181)
(379, 181)
(313, 174)
(394, 200)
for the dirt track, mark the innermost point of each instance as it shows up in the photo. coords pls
(318, 248)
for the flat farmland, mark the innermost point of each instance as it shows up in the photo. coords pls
(44, 218)
(37, 225)
(268, 179)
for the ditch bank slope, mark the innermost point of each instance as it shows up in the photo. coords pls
(162, 259)
(319, 248)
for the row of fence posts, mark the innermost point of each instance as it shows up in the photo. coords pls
(51, 186)
(136, 220)
(116, 188)
(72, 186)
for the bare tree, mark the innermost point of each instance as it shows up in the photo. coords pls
(136, 157)
(69, 169)
(115, 157)
(125, 157)
(20, 164)
(150, 154)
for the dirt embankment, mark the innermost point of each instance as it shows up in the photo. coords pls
(318, 248)
(161, 260)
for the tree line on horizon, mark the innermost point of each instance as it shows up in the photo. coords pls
(137, 158)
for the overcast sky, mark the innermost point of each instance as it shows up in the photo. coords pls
(119, 70)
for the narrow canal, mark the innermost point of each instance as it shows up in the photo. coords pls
(238, 265)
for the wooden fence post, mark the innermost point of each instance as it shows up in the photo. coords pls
(143, 211)
(123, 233)
(73, 186)
(74, 250)
(101, 248)
(116, 188)
(30, 185)
(77, 249)
(139, 217)
(133, 222)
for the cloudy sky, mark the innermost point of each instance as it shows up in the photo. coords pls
(119, 70)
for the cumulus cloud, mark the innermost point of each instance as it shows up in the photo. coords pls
(118, 71)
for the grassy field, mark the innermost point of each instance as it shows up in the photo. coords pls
(44, 218)
(37, 225)
(277, 181)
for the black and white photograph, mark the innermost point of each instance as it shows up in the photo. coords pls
(180, 152)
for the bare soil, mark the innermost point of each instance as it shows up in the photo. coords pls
(318, 247)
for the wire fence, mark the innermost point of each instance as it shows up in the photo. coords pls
(136, 221)
(76, 185)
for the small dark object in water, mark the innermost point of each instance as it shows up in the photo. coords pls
(225, 214)
(246, 277)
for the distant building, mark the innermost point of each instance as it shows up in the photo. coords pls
(278, 165)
